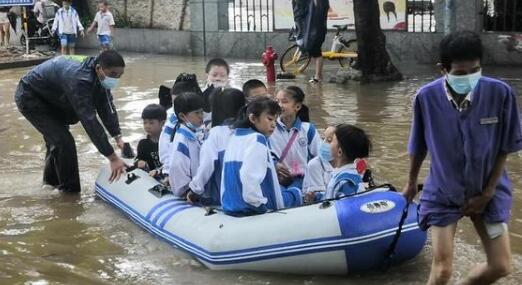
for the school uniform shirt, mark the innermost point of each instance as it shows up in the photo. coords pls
(207, 181)
(164, 144)
(184, 160)
(67, 21)
(249, 181)
(148, 152)
(302, 149)
(317, 175)
(345, 181)
(105, 21)
(464, 144)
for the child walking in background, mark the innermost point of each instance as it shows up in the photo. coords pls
(67, 23)
(105, 23)
(249, 181)
(154, 117)
(186, 146)
(294, 140)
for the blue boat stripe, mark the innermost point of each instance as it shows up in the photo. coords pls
(171, 214)
(279, 250)
(159, 205)
(168, 208)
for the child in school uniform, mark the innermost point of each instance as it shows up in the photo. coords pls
(217, 72)
(205, 186)
(295, 140)
(249, 183)
(349, 149)
(254, 88)
(319, 170)
(105, 22)
(147, 157)
(468, 123)
(186, 146)
(67, 24)
(185, 82)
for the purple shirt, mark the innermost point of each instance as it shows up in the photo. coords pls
(464, 145)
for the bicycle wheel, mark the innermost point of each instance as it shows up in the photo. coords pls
(293, 60)
(348, 46)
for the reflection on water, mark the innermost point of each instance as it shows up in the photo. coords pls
(49, 238)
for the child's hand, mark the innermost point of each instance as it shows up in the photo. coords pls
(191, 197)
(283, 175)
(309, 197)
(153, 173)
(141, 164)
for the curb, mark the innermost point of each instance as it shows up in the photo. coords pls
(23, 63)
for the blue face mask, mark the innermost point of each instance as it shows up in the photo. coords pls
(194, 127)
(109, 82)
(325, 152)
(463, 84)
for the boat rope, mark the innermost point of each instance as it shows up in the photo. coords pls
(390, 253)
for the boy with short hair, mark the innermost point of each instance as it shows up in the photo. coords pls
(154, 117)
(217, 71)
(105, 22)
(468, 123)
(254, 88)
(67, 23)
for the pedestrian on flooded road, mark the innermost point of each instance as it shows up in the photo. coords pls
(468, 123)
(64, 91)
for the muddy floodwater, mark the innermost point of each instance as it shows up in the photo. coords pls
(49, 238)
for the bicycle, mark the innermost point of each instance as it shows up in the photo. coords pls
(296, 61)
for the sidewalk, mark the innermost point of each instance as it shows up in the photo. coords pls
(15, 57)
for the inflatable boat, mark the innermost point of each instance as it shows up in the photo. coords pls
(347, 235)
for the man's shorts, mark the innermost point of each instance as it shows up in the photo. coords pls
(67, 40)
(105, 40)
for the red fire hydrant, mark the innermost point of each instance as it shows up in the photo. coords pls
(269, 57)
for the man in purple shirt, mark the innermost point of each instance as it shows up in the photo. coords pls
(468, 123)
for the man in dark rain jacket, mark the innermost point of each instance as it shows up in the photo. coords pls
(63, 91)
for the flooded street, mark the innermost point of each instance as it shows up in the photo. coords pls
(50, 238)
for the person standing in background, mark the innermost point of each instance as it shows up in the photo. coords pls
(105, 22)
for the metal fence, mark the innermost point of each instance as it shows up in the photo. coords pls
(421, 16)
(250, 15)
(502, 15)
(257, 16)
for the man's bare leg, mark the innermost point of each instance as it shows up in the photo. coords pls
(499, 260)
(442, 262)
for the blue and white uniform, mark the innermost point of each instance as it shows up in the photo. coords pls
(207, 182)
(345, 181)
(184, 160)
(164, 144)
(249, 180)
(302, 149)
(317, 175)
